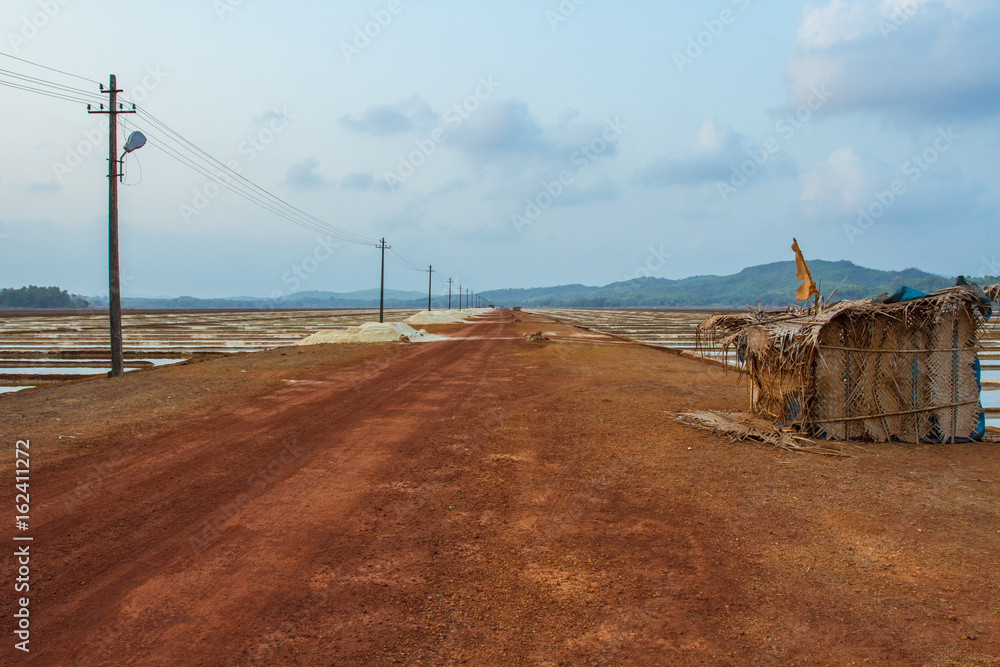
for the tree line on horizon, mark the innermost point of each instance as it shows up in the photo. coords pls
(33, 296)
(770, 285)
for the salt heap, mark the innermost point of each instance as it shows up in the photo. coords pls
(436, 317)
(372, 332)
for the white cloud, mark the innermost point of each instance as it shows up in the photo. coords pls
(718, 150)
(382, 120)
(840, 179)
(927, 59)
(838, 22)
(303, 176)
(714, 138)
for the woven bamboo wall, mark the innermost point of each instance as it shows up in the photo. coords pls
(909, 379)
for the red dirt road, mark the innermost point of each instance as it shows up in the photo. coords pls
(482, 501)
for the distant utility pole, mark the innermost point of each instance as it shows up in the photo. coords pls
(115, 296)
(450, 281)
(381, 290)
(460, 297)
(430, 274)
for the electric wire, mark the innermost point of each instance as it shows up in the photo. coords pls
(223, 179)
(405, 263)
(243, 186)
(224, 182)
(47, 93)
(51, 84)
(51, 69)
(187, 153)
(276, 201)
(401, 264)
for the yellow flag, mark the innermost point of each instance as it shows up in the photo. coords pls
(808, 287)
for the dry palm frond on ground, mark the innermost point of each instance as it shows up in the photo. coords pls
(741, 426)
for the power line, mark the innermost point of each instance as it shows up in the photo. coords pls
(291, 212)
(188, 154)
(51, 69)
(227, 178)
(249, 196)
(55, 94)
(405, 263)
(51, 84)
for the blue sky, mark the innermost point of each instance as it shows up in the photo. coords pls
(510, 144)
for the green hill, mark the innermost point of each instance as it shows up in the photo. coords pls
(307, 300)
(772, 285)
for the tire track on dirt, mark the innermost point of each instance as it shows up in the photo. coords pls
(132, 560)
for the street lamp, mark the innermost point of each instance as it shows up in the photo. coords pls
(135, 141)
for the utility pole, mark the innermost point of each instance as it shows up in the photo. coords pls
(450, 281)
(381, 291)
(114, 282)
(430, 273)
(460, 297)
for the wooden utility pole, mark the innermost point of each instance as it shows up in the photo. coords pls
(460, 297)
(381, 291)
(114, 282)
(430, 273)
(450, 281)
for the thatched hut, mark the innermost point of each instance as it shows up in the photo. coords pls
(903, 368)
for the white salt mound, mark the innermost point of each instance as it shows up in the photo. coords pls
(436, 317)
(371, 332)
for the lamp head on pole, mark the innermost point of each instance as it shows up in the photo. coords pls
(135, 141)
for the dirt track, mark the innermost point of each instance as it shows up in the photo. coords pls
(483, 501)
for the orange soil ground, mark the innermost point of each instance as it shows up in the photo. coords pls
(481, 501)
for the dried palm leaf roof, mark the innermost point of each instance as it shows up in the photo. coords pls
(794, 332)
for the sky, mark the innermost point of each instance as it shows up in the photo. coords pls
(508, 144)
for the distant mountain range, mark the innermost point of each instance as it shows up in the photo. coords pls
(771, 285)
(309, 300)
